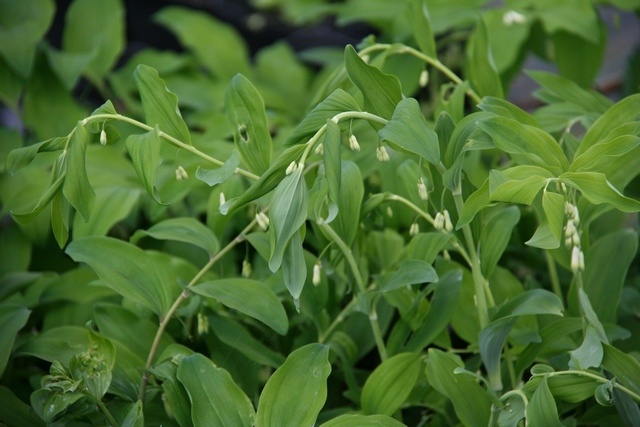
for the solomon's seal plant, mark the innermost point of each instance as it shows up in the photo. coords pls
(412, 248)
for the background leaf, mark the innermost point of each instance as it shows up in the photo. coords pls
(188, 230)
(215, 397)
(12, 318)
(77, 188)
(495, 237)
(297, 390)
(483, 74)
(358, 420)
(542, 410)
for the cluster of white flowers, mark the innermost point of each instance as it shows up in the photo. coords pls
(181, 173)
(381, 154)
(572, 237)
(442, 221)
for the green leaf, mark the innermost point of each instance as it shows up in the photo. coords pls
(410, 272)
(408, 131)
(390, 384)
(135, 416)
(217, 176)
(495, 237)
(159, 104)
(113, 204)
(349, 202)
(246, 115)
(470, 402)
(176, 395)
(12, 318)
(553, 206)
(504, 189)
(604, 394)
(77, 188)
(358, 420)
(602, 154)
(126, 269)
(102, 35)
(597, 189)
(60, 218)
(15, 413)
(337, 102)
(491, 340)
(443, 304)
(589, 354)
(56, 180)
(215, 398)
(535, 301)
(504, 108)
(21, 157)
(294, 268)
(427, 246)
(267, 181)
(544, 237)
(542, 410)
(622, 112)
(332, 160)
(381, 91)
(625, 367)
(296, 392)
(94, 367)
(579, 59)
(188, 230)
(483, 74)
(144, 150)
(606, 267)
(253, 298)
(68, 66)
(421, 27)
(287, 212)
(526, 144)
(60, 343)
(217, 45)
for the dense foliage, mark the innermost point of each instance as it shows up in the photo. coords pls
(384, 240)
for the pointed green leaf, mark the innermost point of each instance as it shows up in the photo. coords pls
(390, 384)
(144, 150)
(504, 108)
(296, 392)
(338, 102)
(349, 202)
(15, 412)
(495, 237)
(589, 354)
(544, 237)
(411, 272)
(113, 204)
(535, 301)
(381, 91)
(408, 131)
(443, 304)
(217, 176)
(135, 416)
(287, 211)
(625, 367)
(483, 74)
(215, 398)
(470, 401)
(253, 298)
(246, 115)
(504, 189)
(159, 104)
(421, 27)
(21, 157)
(526, 144)
(102, 35)
(602, 154)
(542, 410)
(12, 318)
(491, 341)
(188, 230)
(77, 188)
(60, 218)
(577, 58)
(427, 246)
(294, 268)
(68, 66)
(597, 189)
(177, 397)
(553, 206)
(358, 420)
(126, 269)
(332, 162)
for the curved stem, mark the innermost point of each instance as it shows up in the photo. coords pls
(598, 378)
(170, 139)
(184, 295)
(107, 414)
(346, 251)
(339, 319)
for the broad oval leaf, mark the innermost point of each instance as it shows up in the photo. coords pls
(296, 392)
(126, 269)
(188, 230)
(246, 115)
(144, 150)
(159, 104)
(217, 176)
(287, 212)
(408, 131)
(215, 398)
(390, 384)
(359, 420)
(250, 297)
(411, 272)
(590, 353)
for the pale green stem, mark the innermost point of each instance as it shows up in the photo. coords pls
(171, 139)
(429, 60)
(518, 393)
(184, 295)
(339, 319)
(107, 413)
(553, 275)
(510, 368)
(598, 378)
(377, 335)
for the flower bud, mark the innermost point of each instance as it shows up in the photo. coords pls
(181, 173)
(320, 149)
(103, 137)
(570, 229)
(223, 200)
(424, 78)
(448, 226)
(262, 220)
(292, 166)
(381, 154)
(577, 260)
(353, 143)
(512, 17)
(203, 324)
(438, 222)
(575, 239)
(576, 215)
(246, 269)
(317, 268)
(414, 229)
(389, 212)
(422, 190)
